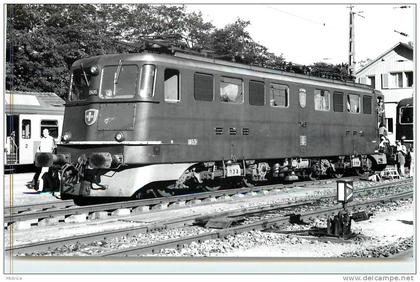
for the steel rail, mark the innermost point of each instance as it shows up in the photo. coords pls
(74, 210)
(256, 226)
(184, 221)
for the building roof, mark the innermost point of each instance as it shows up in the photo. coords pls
(385, 53)
(19, 102)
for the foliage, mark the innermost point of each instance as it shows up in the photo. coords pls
(43, 41)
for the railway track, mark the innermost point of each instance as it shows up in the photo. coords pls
(275, 222)
(49, 245)
(32, 215)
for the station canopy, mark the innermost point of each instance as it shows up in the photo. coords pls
(17, 102)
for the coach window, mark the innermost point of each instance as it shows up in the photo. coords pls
(231, 90)
(51, 125)
(256, 93)
(171, 86)
(279, 95)
(367, 104)
(147, 81)
(26, 129)
(353, 103)
(322, 100)
(203, 87)
(338, 102)
(406, 115)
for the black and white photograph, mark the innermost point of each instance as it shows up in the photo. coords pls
(179, 138)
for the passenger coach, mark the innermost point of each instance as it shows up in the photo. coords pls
(160, 122)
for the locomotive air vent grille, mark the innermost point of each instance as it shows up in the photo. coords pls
(232, 131)
(245, 131)
(218, 130)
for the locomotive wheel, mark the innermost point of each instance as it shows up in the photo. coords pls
(362, 171)
(247, 182)
(338, 175)
(211, 185)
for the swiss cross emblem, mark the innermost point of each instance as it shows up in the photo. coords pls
(91, 116)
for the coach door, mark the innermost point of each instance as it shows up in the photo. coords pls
(303, 121)
(26, 137)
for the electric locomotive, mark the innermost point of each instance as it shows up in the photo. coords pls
(160, 123)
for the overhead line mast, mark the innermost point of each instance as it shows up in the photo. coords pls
(352, 49)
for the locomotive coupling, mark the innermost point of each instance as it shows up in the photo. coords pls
(104, 160)
(50, 159)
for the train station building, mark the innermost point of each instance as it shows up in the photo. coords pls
(392, 73)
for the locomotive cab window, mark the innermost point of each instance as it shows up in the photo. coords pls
(51, 125)
(147, 81)
(279, 95)
(119, 81)
(406, 115)
(79, 84)
(203, 87)
(338, 102)
(322, 100)
(231, 90)
(353, 103)
(171, 85)
(367, 104)
(256, 93)
(26, 129)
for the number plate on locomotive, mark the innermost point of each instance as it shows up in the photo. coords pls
(233, 170)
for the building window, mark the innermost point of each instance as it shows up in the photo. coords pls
(256, 93)
(390, 125)
(26, 129)
(396, 80)
(322, 100)
(203, 87)
(367, 104)
(384, 81)
(338, 101)
(409, 78)
(231, 90)
(353, 103)
(171, 85)
(279, 95)
(371, 81)
(147, 81)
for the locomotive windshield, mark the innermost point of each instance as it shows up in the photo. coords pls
(80, 84)
(119, 81)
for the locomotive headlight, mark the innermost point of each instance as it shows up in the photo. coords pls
(94, 70)
(119, 136)
(66, 136)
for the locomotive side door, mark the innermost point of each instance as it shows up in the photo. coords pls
(302, 122)
(26, 137)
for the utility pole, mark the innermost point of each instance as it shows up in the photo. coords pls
(352, 49)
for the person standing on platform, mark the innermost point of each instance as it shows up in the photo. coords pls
(47, 145)
(401, 152)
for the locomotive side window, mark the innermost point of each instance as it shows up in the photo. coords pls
(367, 104)
(338, 102)
(26, 129)
(119, 81)
(302, 97)
(79, 88)
(203, 87)
(171, 85)
(279, 95)
(231, 90)
(353, 103)
(406, 115)
(322, 100)
(51, 125)
(256, 93)
(147, 80)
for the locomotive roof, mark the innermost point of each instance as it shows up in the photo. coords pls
(198, 62)
(19, 102)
